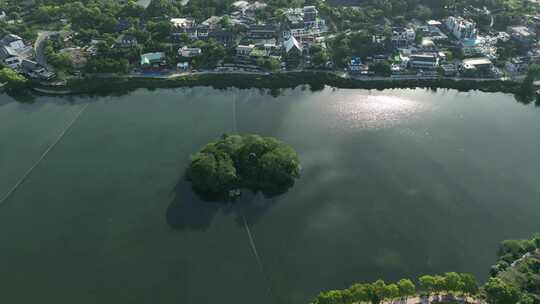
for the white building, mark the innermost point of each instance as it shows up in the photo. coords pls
(189, 52)
(3, 16)
(303, 22)
(461, 28)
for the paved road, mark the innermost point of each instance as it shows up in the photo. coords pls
(39, 48)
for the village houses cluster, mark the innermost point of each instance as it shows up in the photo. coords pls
(451, 47)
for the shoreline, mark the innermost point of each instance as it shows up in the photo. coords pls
(316, 80)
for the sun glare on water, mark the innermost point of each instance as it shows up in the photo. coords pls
(375, 112)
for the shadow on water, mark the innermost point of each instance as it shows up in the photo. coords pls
(188, 210)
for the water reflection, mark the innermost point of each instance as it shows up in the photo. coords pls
(189, 211)
(374, 111)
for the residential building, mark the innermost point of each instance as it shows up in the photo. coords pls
(244, 50)
(433, 32)
(9, 57)
(153, 60)
(213, 22)
(423, 61)
(461, 28)
(223, 36)
(13, 41)
(523, 35)
(292, 48)
(181, 26)
(477, 66)
(302, 22)
(517, 65)
(449, 70)
(310, 16)
(33, 70)
(3, 16)
(189, 52)
(182, 22)
(262, 31)
(202, 31)
(402, 37)
(126, 41)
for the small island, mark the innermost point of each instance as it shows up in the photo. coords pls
(236, 162)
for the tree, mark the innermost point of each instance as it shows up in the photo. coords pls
(381, 68)
(272, 64)
(499, 292)
(377, 291)
(536, 241)
(440, 284)
(329, 297)
(212, 172)
(406, 288)
(470, 285)
(60, 61)
(453, 282)
(15, 82)
(392, 291)
(359, 292)
(427, 284)
(249, 161)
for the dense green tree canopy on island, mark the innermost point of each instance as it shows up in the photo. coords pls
(244, 161)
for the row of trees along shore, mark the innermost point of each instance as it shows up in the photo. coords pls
(515, 279)
(379, 291)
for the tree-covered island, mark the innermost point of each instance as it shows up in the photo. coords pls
(243, 161)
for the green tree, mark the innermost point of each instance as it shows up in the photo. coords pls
(453, 282)
(427, 284)
(359, 292)
(329, 297)
(15, 82)
(536, 241)
(381, 68)
(212, 172)
(249, 161)
(392, 291)
(60, 61)
(470, 285)
(440, 284)
(406, 288)
(377, 291)
(272, 64)
(499, 292)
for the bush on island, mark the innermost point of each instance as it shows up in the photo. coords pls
(243, 161)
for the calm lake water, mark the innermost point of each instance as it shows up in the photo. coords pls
(395, 184)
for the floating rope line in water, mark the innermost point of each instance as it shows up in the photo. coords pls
(244, 221)
(252, 243)
(42, 157)
(257, 257)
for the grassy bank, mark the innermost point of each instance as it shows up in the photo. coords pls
(275, 82)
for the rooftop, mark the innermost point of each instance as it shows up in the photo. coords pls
(473, 62)
(148, 58)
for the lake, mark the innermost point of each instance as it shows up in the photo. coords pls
(395, 183)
